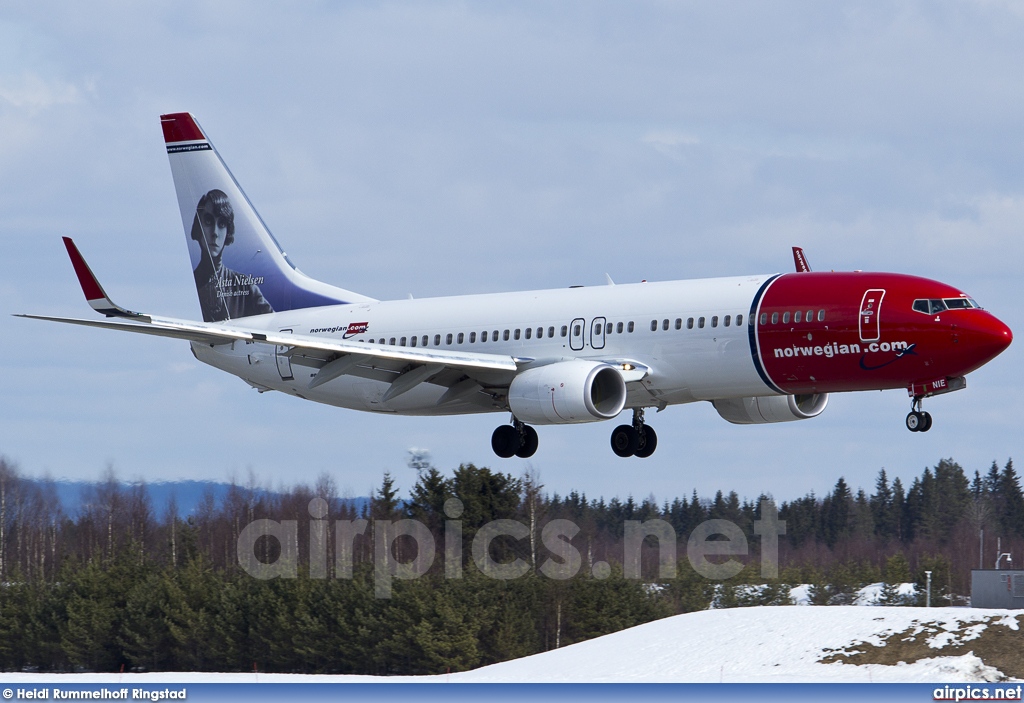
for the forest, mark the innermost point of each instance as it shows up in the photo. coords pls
(118, 584)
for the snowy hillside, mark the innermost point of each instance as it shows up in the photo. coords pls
(777, 644)
(763, 644)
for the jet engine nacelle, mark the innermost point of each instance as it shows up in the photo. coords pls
(776, 408)
(567, 392)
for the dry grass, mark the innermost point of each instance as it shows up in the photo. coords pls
(997, 645)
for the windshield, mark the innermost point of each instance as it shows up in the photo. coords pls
(932, 306)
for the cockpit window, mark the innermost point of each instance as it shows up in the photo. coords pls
(929, 307)
(935, 305)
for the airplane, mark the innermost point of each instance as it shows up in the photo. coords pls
(760, 348)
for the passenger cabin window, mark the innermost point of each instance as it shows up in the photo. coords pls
(472, 337)
(689, 323)
(461, 338)
(821, 316)
(629, 327)
(608, 328)
(785, 318)
(391, 341)
(576, 331)
(679, 323)
(529, 332)
(448, 339)
(739, 320)
(664, 325)
(714, 320)
(483, 336)
(654, 325)
(810, 316)
(700, 322)
(437, 340)
(764, 318)
(727, 319)
(516, 334)
(551, 332)
(775, 318)
(565, 330)
(618, 328)
(412, 341)
(797, 315)
(504, 335)
(402, 342)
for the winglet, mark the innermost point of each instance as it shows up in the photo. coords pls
(94, 293)
(800, 260)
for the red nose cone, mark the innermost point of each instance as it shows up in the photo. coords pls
(989, 336)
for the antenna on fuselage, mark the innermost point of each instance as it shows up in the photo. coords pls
(800, 260)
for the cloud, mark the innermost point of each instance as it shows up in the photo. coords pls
(31, 92)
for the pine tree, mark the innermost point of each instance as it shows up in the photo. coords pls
(899, 510)
(384, 502)
(897, 572)
(952, 499)
(836, 511)
(1012, 501)
(882, 508)
(144, 636)
(862, 518)
(191, 611)
(427, 497)
(941, 569)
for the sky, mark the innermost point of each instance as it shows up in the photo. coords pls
(445, 148)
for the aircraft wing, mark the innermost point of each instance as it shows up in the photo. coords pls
(404, 367)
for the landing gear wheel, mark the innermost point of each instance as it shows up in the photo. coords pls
(625, 440)
(927, 425)
(915, 421)
(648, 442)
(505, 441)
(528, 443)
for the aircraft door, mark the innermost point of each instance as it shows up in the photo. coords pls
(597, 333)
(284, 362)
(577, 334)
(870, 310)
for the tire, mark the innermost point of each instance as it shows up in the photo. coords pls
(914, 421)
(927, 422)
(529, 444)
(648, 442)
(625, 440)
(505, 441)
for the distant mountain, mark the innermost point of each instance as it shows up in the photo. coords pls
(188, 494)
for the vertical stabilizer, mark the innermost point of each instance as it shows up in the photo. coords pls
(240, 270)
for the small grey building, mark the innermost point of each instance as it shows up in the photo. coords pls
(997, 588)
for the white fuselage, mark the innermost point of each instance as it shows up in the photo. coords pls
(711, 359)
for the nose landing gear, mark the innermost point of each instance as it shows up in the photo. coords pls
(637, 439)
(517, 439)
(918, 420)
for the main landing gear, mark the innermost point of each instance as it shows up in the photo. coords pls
(517, 439)
(917, 419)
(637, 439)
